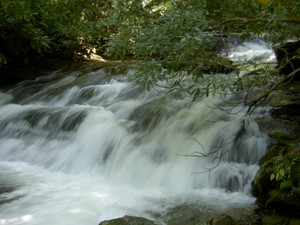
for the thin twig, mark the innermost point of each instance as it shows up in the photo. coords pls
(262, 98)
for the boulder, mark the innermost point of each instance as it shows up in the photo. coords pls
(188, 215)
(237, 216)
(128, 220)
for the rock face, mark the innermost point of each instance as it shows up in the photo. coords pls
(277, 183)
(288, 58)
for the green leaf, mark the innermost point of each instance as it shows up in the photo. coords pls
(287, 184)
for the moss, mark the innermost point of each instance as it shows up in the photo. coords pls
(273, 152)
(282, 137)
(286, 172)
(277, 184)
(279, 180)
(262, 184)
(296, 191)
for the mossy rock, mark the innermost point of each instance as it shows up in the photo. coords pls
(188, 215)
(237, 216)
(284, 144)
(277, 184)
(262, 184)
(222, 219)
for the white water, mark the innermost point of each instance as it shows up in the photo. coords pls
(258, 51)
(82, 149)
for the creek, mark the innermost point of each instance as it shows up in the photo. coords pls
(83, 145)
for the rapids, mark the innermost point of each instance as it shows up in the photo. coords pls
(82, 148)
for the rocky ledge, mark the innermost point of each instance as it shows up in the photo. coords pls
(277, 183)
(232, 217)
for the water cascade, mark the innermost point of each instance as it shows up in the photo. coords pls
(80, 149)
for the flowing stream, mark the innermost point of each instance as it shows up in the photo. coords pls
(82, 146)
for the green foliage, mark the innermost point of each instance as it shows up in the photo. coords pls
(2, 59)
(20, 31)
(284, 171)
(278, 19)
(60, 28)
(173, 44)
(177, 41)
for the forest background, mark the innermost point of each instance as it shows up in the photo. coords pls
(174, 39)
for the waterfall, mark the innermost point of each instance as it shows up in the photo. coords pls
(79, 149)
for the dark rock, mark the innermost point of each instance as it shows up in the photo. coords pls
(273, 219)
(288, 58)
(128, 220)
(261, 201)
(285, 203)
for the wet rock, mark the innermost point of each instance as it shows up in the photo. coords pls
(287, 203)
(252, 217)
(276, 185)
(128, 220)
(222, 219)
(238, 216)
(244, 215)
(274, 219)
(187, 215)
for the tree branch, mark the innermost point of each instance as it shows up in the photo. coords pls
(243, 21)
(262, 98)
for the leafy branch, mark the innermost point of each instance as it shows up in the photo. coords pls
(243, 21)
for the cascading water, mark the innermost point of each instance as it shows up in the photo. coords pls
(80, 149)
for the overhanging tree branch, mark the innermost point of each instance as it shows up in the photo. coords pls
(254, 104)
(244, 21)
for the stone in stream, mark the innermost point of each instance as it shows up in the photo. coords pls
(128, 220)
